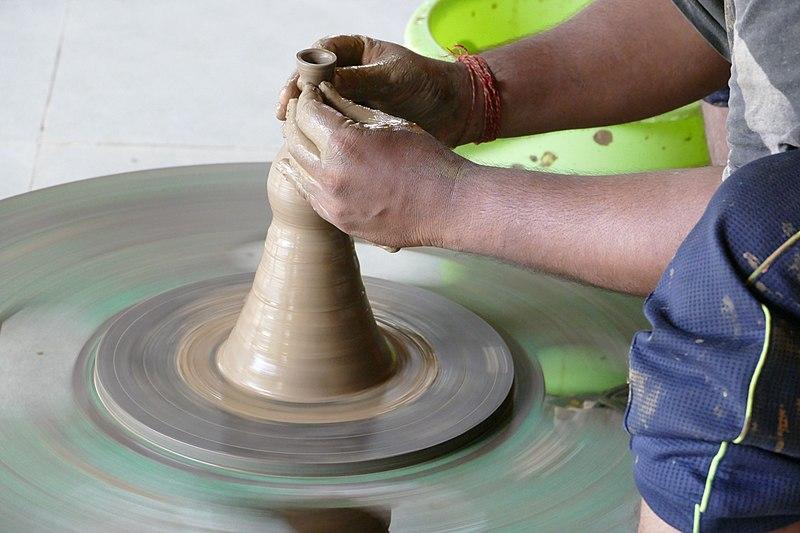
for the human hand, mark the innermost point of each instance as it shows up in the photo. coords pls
(436, 95)
(370, 174)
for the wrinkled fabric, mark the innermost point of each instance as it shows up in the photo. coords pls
(760, 38)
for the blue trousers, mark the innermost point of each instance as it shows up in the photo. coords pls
(714, 409)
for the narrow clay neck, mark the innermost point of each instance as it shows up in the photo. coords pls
(315, 65)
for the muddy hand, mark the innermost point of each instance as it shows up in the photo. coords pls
(372, 175)
(435, 94)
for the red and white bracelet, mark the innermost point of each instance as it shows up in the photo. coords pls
(483, 80)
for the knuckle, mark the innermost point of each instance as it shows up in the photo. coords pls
(338, 212)
(343, 143)
(336, 186)
(339, 188)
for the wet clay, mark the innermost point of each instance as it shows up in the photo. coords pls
(453, 373)
(314, 65)
(414, 371)
(306, 332)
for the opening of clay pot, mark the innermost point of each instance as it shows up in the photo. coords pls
(315, 65)
(316, 56)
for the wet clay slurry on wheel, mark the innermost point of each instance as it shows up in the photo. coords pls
(306, 332)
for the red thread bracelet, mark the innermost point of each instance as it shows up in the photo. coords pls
(482, 77)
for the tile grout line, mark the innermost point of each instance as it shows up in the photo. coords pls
(168, 146)
(56, 62)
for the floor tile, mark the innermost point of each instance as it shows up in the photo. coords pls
(16, 165)
(64, 163)
(205, 72)
(29, 40)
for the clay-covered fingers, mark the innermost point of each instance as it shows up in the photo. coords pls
(360, 113)
(317, 121)
(350, 50)
(304, 151)
(306, 185)
(289, 92)
(350, 109)
(285, 167)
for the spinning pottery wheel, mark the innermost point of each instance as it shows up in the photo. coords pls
(77, 256)
(148, 381)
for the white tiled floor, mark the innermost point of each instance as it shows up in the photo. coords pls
(94, 87)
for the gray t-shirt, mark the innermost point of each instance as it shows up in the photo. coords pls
(761, 39)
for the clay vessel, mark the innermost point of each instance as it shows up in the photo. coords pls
(306, 332)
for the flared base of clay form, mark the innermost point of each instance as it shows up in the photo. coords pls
(306, 332)
(156, 373)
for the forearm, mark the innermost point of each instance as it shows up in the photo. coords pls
(617, 232)
(614, 62)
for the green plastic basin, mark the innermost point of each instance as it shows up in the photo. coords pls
(672, 140)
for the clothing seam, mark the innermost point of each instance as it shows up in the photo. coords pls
(708, 35)
(700, 508)
(751, 390)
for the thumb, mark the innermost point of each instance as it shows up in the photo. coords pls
(360, 113)
(347, 107)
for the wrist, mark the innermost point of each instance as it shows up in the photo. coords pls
(469, 109)
(458, 206)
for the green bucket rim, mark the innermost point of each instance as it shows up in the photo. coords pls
(418, 37)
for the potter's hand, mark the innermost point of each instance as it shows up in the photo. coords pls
(435, 94)
(370, 174)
